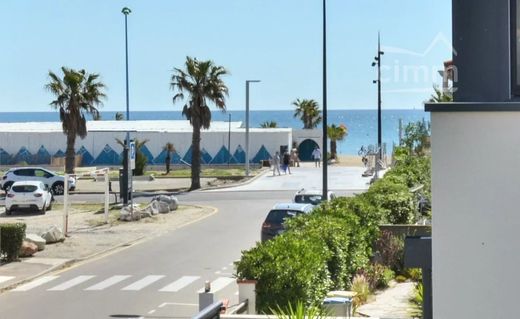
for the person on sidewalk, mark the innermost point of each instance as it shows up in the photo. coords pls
(294, 158)
(276, 164)
(316, 155)
(286, 162)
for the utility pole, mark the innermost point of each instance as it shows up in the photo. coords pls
(324, 138)
(377, 63)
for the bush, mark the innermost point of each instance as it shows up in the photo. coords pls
(394, 200)
(400, 278)
(11, 238)
(378, 276)
(288, 268)
(389, 250)
(415, 274)
(361, 287)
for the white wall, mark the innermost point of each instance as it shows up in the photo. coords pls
(476, 214)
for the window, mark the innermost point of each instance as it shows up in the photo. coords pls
(515, 41)
(24, 188)
(24, 172)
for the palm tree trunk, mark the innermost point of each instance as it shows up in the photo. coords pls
(69, 153)
(167, 160)
(195, 156)
(333, 149)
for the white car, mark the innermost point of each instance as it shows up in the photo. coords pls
(311, 196)
(33, 195)
(54, 181)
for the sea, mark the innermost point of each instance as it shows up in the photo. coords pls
(361, 124)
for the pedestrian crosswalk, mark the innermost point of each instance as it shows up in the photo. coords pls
(128, 283)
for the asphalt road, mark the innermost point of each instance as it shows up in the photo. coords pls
(158, 278)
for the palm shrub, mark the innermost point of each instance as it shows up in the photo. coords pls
(288, 268)
(309, 112)
(298, 311)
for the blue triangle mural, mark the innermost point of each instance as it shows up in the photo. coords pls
(42, 156)
(205, 158)
(187, 156)
(262, 154)
(223, 156)
(59, 153)
(161, 158)
(107, 157)
(5, 158)
(86, 158)
(146, 152)
(240, 154)
(23, 155)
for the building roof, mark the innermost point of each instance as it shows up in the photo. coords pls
(131, 126)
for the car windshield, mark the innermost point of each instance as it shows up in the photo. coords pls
(309, 199)
(278, 216)
(24, 188)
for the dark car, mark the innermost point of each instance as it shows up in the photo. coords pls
(274, 222)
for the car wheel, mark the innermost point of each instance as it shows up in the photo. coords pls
(57, 189)
(7, 186)
(8, 212)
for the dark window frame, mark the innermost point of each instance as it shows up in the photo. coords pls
(515, 67)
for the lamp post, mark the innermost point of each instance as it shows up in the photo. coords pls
(229, 140)
(377, 63)
(247, 123)
(126, 11)
(324, 140)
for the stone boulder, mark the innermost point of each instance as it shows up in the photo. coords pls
(53, 235)
(159, 207)
(172, 201)
(37, 240)
(28, 249)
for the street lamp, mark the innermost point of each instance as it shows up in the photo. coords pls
(324, 138)
(126, 11)
(247, 123)
(377, 62)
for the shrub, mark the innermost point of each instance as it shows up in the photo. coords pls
(12, 236)
(400, 278)
(288, 268)
(378, 276)
(361, 287)
(414, 274)
(299, 311)
(417, 297)
(394, 200)
(389, 250)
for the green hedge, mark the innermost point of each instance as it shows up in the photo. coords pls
(11, 239)
(288, 268)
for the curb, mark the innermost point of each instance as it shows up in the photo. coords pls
(70, 262)
(248, 181)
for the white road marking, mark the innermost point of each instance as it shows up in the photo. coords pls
(224, 268)
(107, 283)
(177, 304)
(140, 284)
(217, 272)
(180, 283)
(35, 283)
(219, 283)
(71, 283)
(151, 312)
(5, 278)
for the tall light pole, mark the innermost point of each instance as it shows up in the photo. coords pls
(247, 123)
(377, 63)
(126, 11)
(324, 156)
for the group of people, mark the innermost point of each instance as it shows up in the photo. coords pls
(286, 160)
(291, 159)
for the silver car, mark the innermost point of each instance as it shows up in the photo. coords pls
(53, 181)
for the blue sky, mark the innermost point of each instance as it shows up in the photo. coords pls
(276, 41)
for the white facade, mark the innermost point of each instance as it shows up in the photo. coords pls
(476, 214)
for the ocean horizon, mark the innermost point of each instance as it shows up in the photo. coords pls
(361, 124)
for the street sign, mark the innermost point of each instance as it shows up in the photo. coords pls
(132, 155)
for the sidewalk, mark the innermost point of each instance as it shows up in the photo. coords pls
(90, 186)
(391, 303)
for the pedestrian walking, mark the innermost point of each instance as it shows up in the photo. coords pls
(316, 155)
(286, 162)
(276, 164)
(294, 157)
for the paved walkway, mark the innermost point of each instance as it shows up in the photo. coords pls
(391, 303)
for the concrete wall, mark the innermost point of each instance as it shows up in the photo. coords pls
(476, 214)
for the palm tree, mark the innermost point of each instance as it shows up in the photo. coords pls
(77, 94)
(169, 149)
(336, 133)
(140, 158)
(269, 124)
(309, 112)
(119, 116)
(202, 82)
(440, 96)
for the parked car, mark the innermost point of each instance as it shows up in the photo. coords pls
(32, 195)
(311, 196)
(53, 181)
(273, 224)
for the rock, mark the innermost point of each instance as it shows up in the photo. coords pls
(160, 207)
(53, 235)
(37, 240)
(172, 201)
(28, 249)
